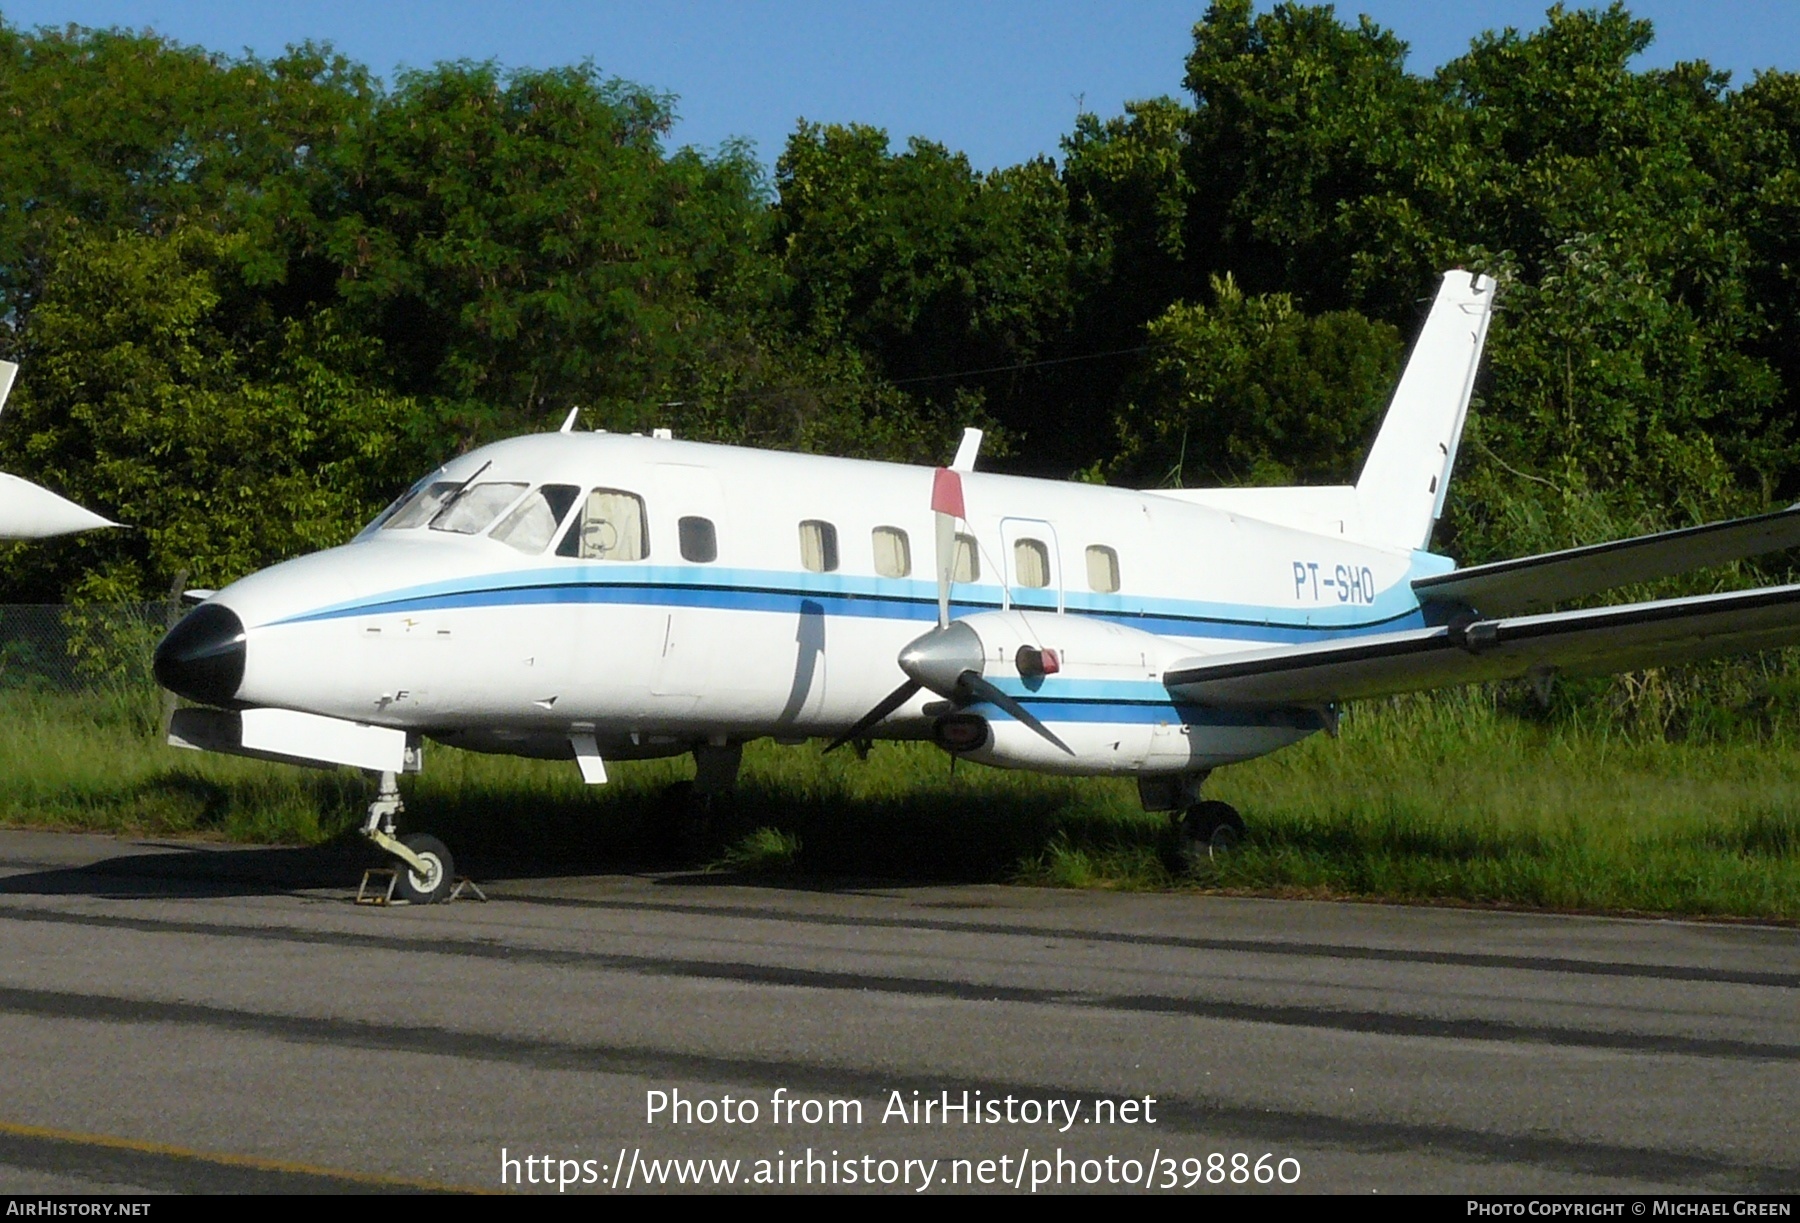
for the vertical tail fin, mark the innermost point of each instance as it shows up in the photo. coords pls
(1400, 494)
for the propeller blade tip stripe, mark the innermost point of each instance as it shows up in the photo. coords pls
(947, 493)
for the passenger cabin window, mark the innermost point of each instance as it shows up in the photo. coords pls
(966, 567)
(611, 526)
(893, 555)
(417, 507)
(699, 541)
(1103, 569)
(818, 546)
(1031, 563)
(532, 524)
(474, 510)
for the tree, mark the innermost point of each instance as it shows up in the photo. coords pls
(519, 243)
(1303, 131)
(1621, 413)
(1249, 390)
(945, 281)
(122, 132)
(221, 456)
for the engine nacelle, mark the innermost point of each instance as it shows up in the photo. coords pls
(1099, 688)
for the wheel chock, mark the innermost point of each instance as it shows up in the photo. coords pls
(377, 895)
(463, 881)
(371, 891)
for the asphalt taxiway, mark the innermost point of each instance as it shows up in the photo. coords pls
(193, 1017)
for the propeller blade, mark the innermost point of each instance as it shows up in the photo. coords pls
(946, 565)
(947, 502)
(973, 687)
(867, 722)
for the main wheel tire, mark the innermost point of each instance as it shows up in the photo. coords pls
(1209, 831)
(432, 886)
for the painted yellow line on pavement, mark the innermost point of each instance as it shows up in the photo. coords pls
(227, 1159)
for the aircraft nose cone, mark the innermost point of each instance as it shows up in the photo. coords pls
(202, 658)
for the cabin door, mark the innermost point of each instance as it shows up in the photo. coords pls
(690, 534)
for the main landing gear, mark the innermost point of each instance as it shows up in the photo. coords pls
(690, 808)
(1209, 830)
(425, 872)
(1205, 829)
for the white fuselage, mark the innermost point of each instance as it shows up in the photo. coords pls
(474, 641)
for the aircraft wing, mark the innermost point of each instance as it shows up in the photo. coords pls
(1595, 641)
(1535, 583)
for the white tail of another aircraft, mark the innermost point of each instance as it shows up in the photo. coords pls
(1400, 495)
(28, 511)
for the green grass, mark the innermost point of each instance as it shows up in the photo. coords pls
(1425, 800)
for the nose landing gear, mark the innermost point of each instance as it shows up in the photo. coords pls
(425, 873)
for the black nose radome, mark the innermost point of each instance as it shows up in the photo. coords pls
(202, 658)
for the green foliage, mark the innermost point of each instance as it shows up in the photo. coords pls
(148, 403)
(112, 131)
(1303, 132)
(766, 851)
(1614, 410)
(521, 242)
(1249, 390)
(1431, 799)
(915, 257)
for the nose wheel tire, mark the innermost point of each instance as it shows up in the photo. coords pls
(434, 884)
(1210, 831)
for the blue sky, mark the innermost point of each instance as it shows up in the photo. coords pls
(1000, 80)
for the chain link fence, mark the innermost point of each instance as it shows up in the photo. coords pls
(80, 648)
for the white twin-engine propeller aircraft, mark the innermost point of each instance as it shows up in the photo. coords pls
(597, 596)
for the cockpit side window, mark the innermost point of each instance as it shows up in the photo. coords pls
(611, 526)
(475, 509)
(533, 522)
(394, 507)
(416, 508)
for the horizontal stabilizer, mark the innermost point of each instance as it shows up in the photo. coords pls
(1597, 641)
(1535, 583)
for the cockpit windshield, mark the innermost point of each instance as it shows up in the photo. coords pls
(474, 510)
(530, 526)
(416, 507)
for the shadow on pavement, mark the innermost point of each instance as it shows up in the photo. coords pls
(174, 871)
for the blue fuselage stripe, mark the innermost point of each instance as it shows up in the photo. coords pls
(845, 603)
